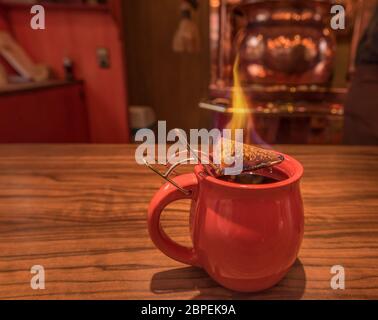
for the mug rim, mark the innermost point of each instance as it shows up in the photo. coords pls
(298, 173)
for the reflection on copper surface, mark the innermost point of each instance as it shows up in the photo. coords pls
(257, 71)
(278, 42)
(294, 54)
(290, 47)
(214, 3)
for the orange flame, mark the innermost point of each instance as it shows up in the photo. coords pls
(240, 108)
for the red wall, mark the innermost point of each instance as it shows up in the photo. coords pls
(77, 33)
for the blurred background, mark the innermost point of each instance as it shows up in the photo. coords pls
(100, 70)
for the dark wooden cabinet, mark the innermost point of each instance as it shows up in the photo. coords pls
(52, 112)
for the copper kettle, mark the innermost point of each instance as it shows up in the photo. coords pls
(285, 42)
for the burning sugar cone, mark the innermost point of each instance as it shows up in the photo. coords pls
(253, 158)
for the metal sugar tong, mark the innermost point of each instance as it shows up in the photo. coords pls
(210, 168)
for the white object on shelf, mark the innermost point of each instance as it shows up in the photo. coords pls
(141, 117)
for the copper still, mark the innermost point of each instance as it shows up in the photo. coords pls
(286, 52)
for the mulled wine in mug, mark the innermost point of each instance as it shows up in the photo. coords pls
(246, 230)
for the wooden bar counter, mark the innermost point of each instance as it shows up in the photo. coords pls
(80, 212)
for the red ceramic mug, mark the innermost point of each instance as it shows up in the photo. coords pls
(245, 236)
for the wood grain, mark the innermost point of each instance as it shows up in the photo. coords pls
(80, 211)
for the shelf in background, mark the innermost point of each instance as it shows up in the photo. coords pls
(16, 88)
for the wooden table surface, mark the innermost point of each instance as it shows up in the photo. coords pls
(80, 212)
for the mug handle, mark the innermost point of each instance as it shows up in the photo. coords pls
(166, 195)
